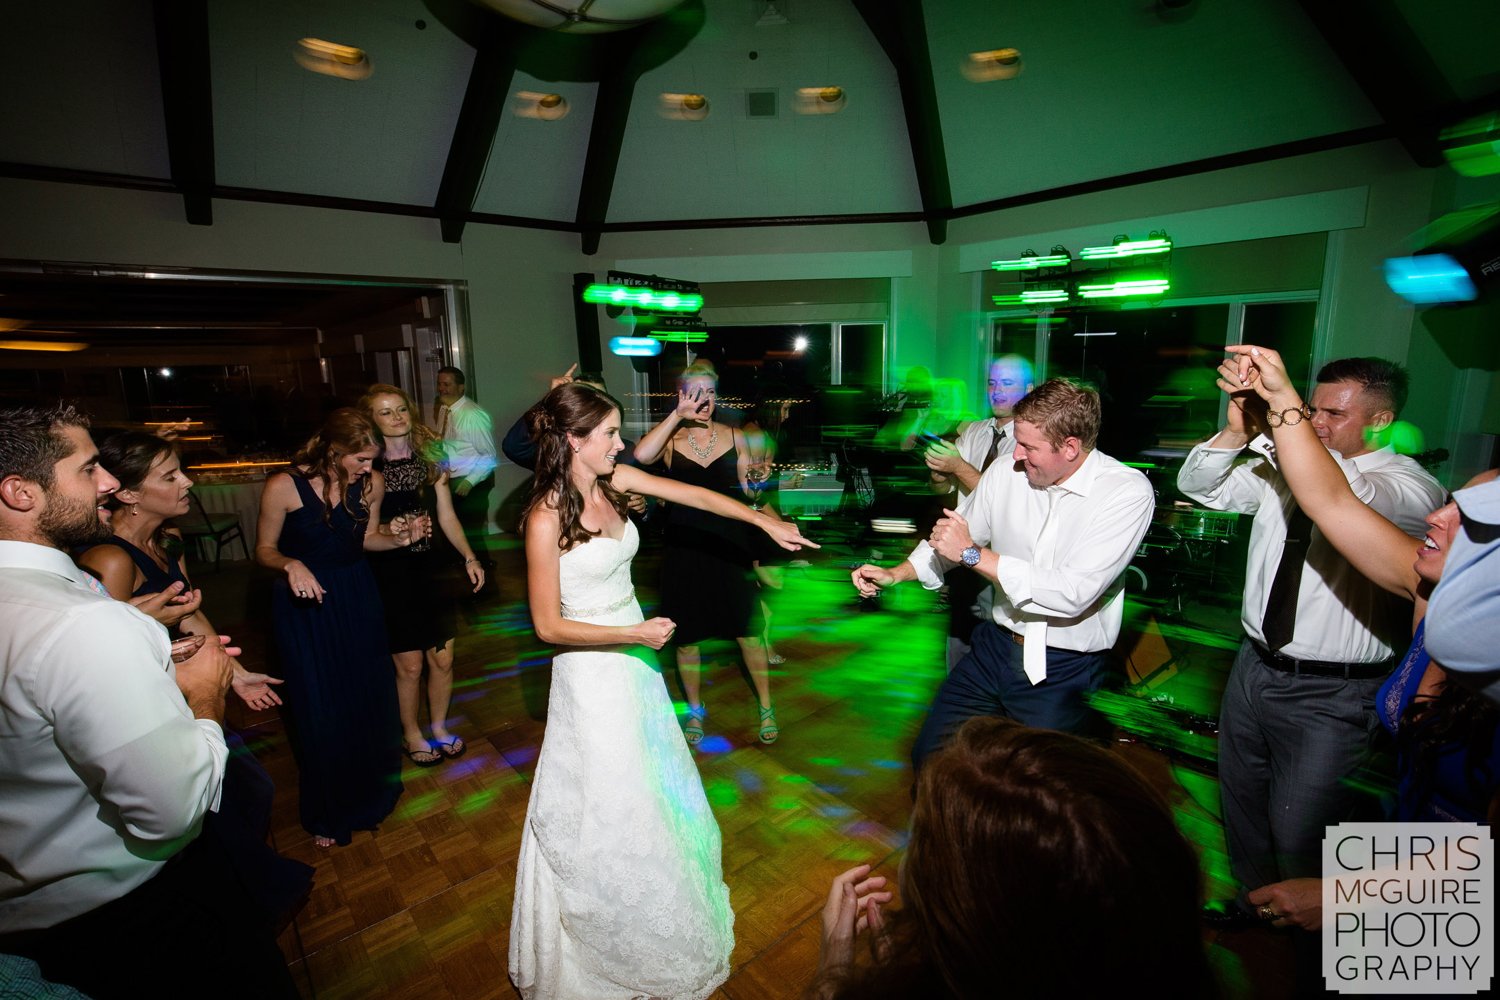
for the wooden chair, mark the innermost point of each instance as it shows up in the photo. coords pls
(221, 529)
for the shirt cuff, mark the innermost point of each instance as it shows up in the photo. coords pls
(1014, 577)
(928, 566)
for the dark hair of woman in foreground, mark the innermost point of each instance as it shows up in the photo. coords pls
(577, 411)
(1038, 864)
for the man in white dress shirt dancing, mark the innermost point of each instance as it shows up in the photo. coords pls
(1053, 532)
(1298, 711)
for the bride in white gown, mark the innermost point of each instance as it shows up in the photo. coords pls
(619, 887)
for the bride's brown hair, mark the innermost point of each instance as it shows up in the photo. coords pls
(576, 409)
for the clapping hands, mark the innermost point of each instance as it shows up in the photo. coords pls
(169, 606)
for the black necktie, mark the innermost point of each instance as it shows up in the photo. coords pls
(1281, 606)
(994, 451)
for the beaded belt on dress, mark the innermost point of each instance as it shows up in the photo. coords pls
(625, 601)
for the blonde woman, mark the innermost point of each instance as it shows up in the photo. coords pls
(420, 617)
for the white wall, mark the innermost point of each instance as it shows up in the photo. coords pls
(520, 309)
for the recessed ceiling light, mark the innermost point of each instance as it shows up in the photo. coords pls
(547, 107)
(331, 59)
(821, 100)
(992, 64)
(683, 107)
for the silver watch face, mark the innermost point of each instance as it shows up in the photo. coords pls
(970, 556)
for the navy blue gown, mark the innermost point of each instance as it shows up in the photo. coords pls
(340, 692)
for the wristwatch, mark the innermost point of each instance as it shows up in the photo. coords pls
(1291, 416)
(970, 556)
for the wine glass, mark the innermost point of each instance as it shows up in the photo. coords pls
(419, 523)
(757, 476)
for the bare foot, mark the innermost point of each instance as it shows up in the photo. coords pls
(324, 843)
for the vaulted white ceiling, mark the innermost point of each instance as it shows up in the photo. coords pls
(1110, 89)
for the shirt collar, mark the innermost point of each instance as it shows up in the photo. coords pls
(30, 555)
(1081, 482)
(1371, 459)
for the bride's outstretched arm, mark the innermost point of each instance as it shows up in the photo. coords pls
(783, 533)
(544, 592)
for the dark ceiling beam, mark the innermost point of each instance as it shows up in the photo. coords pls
(606, 137)
(478, 121)
(902, 33)
(1407, 89)
(187, 102)
(623, 58)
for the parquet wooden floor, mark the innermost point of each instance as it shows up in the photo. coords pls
(421, 908)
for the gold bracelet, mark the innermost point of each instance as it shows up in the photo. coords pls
(1291, 416)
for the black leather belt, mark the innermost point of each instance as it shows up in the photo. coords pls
(1323, 668)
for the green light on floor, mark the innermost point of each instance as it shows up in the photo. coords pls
(1127, 248)
(475, 803)
(644, 298)
(420, 805)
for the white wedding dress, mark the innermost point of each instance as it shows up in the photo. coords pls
(619, 886)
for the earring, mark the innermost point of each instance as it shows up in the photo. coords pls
(135, 510)
(575, 449)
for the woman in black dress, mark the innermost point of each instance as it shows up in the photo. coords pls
(420, 618)
(707, 568)
(330, 630)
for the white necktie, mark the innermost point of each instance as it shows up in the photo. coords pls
(1034, 652)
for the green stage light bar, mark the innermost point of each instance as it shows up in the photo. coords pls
(643, 298)
(1031, 262)
(680, 336)
(1125, 289)
(1033, 297)
(1127, 248)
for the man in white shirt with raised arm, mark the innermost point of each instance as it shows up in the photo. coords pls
(1053, 532)
(1298, 712)
(956, 468)
(110, 755)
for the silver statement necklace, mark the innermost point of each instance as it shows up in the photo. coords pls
(707, 450)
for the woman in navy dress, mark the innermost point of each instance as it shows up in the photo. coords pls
(145, 557)
(340, 694)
